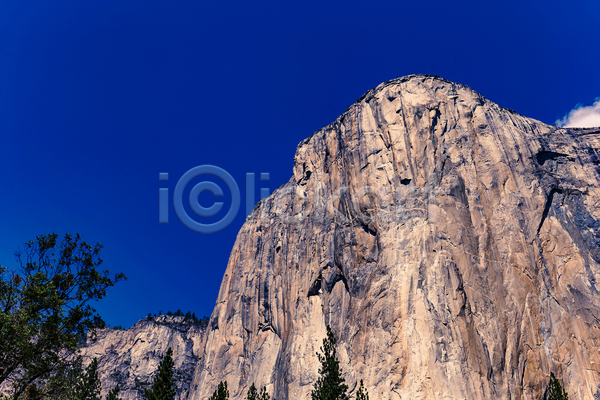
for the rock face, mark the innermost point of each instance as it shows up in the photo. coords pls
(451, 244)
(130, 357)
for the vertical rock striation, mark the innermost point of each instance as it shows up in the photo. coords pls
(130, 357)
(451, 244)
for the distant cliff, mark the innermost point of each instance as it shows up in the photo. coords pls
(130, 357)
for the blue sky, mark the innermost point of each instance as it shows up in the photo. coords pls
(98, 97)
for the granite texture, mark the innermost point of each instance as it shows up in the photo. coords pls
(451, 244)
(130, 357)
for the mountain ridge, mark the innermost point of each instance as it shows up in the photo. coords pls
(130, 357)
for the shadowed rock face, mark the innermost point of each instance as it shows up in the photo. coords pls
(130, 357)
(451, 244)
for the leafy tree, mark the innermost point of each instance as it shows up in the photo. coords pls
(62, 385)
(71, 383)
(222, 393)
(33, 393)
(330, 385)
(362, 393)
(45, 309)
(76, 383)
(88, 386)
(555, 389)
(114, 393)
(163, 387)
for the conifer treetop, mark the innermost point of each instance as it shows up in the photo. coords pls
(163, 387)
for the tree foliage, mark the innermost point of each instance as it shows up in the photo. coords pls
(74, 383)
(163, 387)
(263, 394)
(362, 393)
(253, 394)
(330, 385)
(113, 394)
(45, 309)
(61, 385)
(222, 393)
(190, 316)
(555, 389)
(88, 385)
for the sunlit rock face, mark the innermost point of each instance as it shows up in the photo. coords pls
(130, 357)
(451, 244)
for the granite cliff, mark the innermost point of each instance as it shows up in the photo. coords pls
(130, 357)
(451, 244)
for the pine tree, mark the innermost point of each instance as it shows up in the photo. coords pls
(330, 385)
(264, 395)
(221, 393)
(555, 389)
(88, 386)
(163, 387)
(362, 393)
(252, 393)
(113, 394)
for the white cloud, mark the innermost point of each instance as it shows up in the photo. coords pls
(582, 117)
